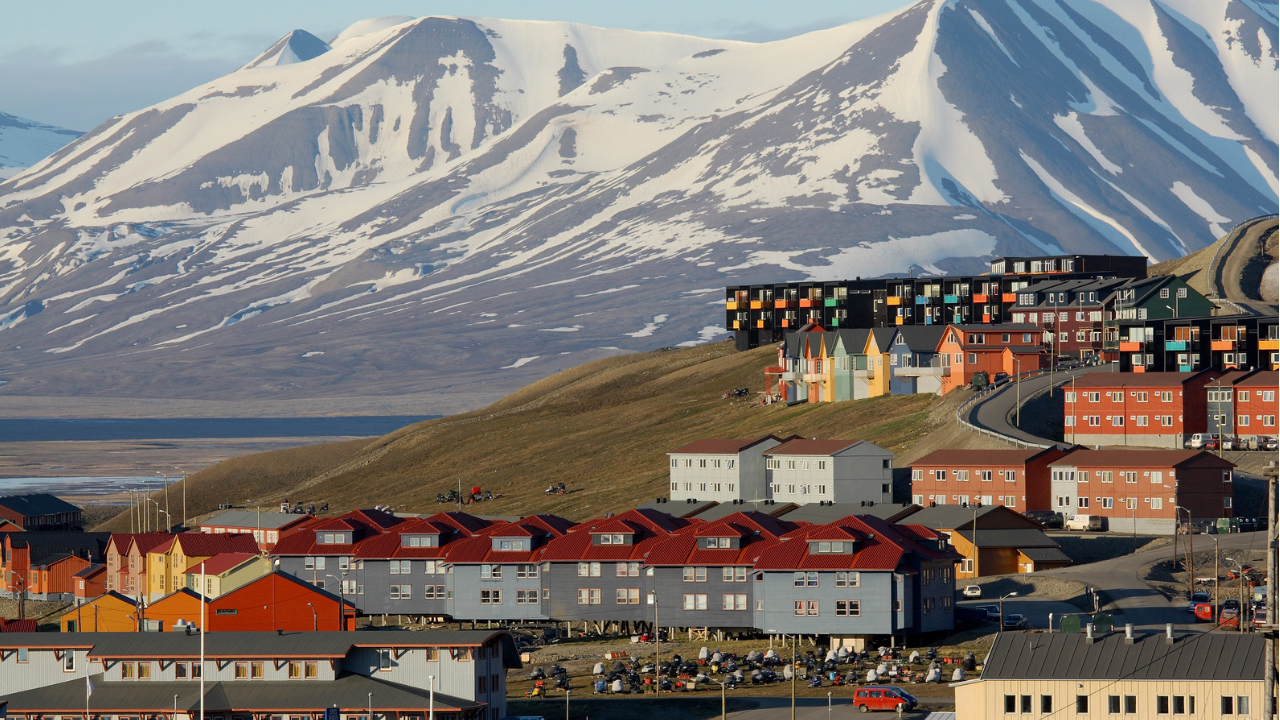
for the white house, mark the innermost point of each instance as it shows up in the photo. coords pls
(722, 470)
(844, 471)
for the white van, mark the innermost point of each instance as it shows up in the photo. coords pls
(1084, 523)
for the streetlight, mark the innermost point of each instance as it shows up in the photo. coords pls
(184, 495)
(167, 517)
(1215, 577)
(829, 706)
(175, 706)
(1002, 597)
(315, 619)
(1240, 613)
(1017, 403)
(431, 697)
(566, 704)
(342, 598)
(723, 714)
(1191, 546)
(370, 705)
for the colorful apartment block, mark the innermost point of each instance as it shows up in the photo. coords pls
(167, 562)
(1136, 409)
(1143, 489)
(966, 350)
(1016, 479)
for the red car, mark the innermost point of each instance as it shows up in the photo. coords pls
(1204, 611)
(883, 697)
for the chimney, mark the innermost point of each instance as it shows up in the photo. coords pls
(1128, 633)
(280, 631)
(1088, 634)
(1168, 633)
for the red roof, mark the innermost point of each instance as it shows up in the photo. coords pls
(1137, 380)
(649, 528)
(800, 446)
(479, 549)
(978, 457)
(1141, 458)
(198, 544)
(362, 524)
(720, 446)
(16, 626)
(1261, 378)
(145, 541)
(881, 545)
(752, 528)
(460, 520)
(219, 564)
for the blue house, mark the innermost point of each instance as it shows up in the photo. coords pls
(911, 360)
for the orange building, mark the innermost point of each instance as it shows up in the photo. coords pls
(109, 612)
(966, 350)
(56, 576)
(30, 561)
(1016, 479)
(170, 611)
(90, 582)
(280, 602)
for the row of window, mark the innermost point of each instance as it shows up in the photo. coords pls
(804, 489)
(705, 463)
(621, 569)
(1009, 501)
(842, 579)
(775, 464)
(963, 475)
(1118, 420)
(1128, 704)
(727, 574)
(1118, 396)
(702, 487)
(523, 572)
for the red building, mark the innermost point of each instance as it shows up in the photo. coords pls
(1255, 403)
(38, 564)
(90, 582)
(1016, 479)
(1145, 409)
(1143, 489)
(969, 349)
(280, 602)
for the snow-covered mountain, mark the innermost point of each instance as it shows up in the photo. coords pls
(24, 142)
(425, 204)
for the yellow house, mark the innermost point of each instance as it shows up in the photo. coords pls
(1129, 673)
(227, 572)
(167, 563)
(110, 612)
(877, 351)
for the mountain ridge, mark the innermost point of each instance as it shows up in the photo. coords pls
(447, 201)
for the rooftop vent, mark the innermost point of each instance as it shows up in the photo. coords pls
(1128, 633)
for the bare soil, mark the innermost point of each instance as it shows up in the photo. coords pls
(1032, 585)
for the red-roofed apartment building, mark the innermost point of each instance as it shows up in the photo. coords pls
(596, 571)
(855, 578)
(703, 577)
(496, 576)
(720, 470)
(167, 562)
(1156, 409)
(1017, 479)
(1143, 487)
(845, 471)
(969, 349)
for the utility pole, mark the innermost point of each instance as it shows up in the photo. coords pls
(184, 496)
(1270, 664)
(793, 676)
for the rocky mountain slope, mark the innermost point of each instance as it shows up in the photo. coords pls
(447, 205)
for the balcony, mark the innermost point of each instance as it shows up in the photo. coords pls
(980, 298)
(897, 321)
(737, 325)
(808, 302)
(731, 305)
(759, 324)
(927, 371)
(783, 304)
(1175, 345)
(1222, 345)
(953, 299)
(1269, 344)
(986, 318)
(1130, 347)
(757, 305)
(829, 302)
(922, 299)
(893, 300)
(1009, 297)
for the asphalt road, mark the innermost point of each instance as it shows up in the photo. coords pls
(817, 708)
(1035, 610)
(1134, 601)
(993, 412)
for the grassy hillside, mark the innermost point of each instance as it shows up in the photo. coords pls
(602, 429)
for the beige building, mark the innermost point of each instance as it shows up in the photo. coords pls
(226, 572)
(1149, 675)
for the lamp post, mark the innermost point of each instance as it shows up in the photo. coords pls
(1002, 597)
(431, 697)
(342, 599)
(1017, 403)
(315, 619)
(723, 714)
(184, 500)
(1215, 578)
(1191, 547)
(1240, 613)
(168, 519)
(829, 706)
(371, 705)
(566, 704)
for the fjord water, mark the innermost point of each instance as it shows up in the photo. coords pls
(48, 430)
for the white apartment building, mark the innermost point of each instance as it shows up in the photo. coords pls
(722, 470)
(843, 471)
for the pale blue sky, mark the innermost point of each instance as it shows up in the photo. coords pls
(75, 63)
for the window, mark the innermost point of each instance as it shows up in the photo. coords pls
(1046, 704)
(490, 597)
(197, 670)
(588, 569)
(242, 671)
(401, 592)
(1010, 703)
(805, 607)
(1157, 503)
(627, 596)
(1083, 502)
(848, 608)
(1130, 704)
(526, 571)
(295, 670)
(1024, 704)
(1242, 704)
(1107, 503)
(733, 574)
(526, 597)
(734, 601)
(848, 579)
(312, 669)
(401, 567)
(805, 579)
(180, 671)
(1082, 704)
(68, 661)
(1113, 704)
(1242, 421)
(692, 601)
(434, 592)
(1130, 476)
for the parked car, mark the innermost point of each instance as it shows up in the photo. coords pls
(1203, 611)
(1271, 444)
(1196, 599)
(993, 612)
(1084, 523)
(1014, 621)
(1231, 443)
(1229, 615)
(1000, 379)
(1259, 615)
(972, 591)
(980, 380)
(1048, 518)
(883, 697)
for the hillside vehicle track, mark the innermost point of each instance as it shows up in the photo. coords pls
(995, 412)
(1229, 275)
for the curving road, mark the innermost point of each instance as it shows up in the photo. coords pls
(1227, 269)
(994, 411)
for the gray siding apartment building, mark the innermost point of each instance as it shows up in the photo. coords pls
(499, 576)
(44, 674)
(845, 471)
(721, 470)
